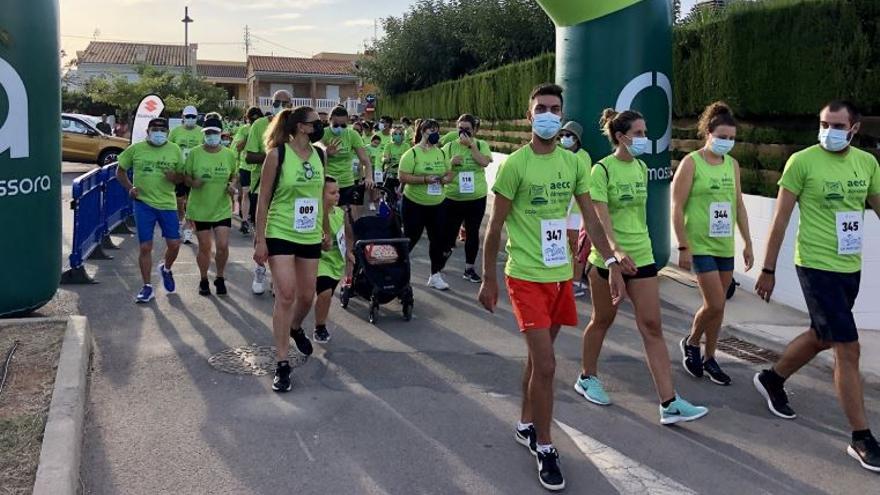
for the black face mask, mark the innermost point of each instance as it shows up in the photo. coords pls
(317, 133)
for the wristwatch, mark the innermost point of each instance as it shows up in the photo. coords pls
(610, 261)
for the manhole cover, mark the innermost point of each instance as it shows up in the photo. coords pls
(252, 360)
(747, 351)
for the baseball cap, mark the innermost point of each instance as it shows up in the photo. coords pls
(190, 110)
(212, 125)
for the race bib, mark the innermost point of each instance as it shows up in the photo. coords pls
(378, 176)
(849, 232)
(435, 189)
(185, 152)
(305, 215)
(554, 242)
(356, 168)
(340, 241)
(466, 182)
(720, 224)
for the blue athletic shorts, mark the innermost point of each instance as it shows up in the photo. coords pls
(707, 263)
(146, 217)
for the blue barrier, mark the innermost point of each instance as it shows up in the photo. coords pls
(100, 205)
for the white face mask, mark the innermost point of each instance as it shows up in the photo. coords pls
(720, 146)
(638, 147)
(834, 139)
(567, 142)
(381, 126)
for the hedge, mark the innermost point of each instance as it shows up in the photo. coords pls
(771, 58)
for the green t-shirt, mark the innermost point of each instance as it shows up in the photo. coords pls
(448, 137)
(332, 262)
(710, 211)
(386, 138)
(419, 162)
(375, 153)
(831, 189)
(584, 157)
(469, 178)
(187, 139)
(624, 187)
(256, 144)
(149, 164)
(211, 202)
(341, 164)
(241, 135)
(540, 188)
(296, 211)
(393, 152)
(408, 136)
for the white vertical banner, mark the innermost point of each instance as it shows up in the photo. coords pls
(150, 107)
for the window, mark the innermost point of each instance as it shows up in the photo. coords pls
(74, 126)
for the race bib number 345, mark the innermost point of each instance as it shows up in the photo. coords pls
(849, 232)
(554, 242)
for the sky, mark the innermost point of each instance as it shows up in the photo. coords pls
(296, 28)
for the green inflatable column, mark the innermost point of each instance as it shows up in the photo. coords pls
(618, 53)
(30, 155)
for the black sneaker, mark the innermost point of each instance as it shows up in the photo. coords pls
(220, 284)
(282, 382)
(245, 228)
(321, 335)
(549, 471)
(690, 358)
(303, 344)
(777, 399)
(867, 452)
(528, 438)
(715, 373)
(471, 276)
(204, 288)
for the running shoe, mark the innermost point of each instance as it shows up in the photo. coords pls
(710, 366)
(774, 394)
(321, 335)
(550, 470)
(303, 344)
(471, 276)
(245, 228)
(579, 289)
(592, 390)
(220, 285)
(690, 358)
(436, 281)
(204, 287)
(259, 285)
(528, 438)
(145, 295)
(167, 278)
(281, 382)
(680, 411)
(187, 236)
(867, 452)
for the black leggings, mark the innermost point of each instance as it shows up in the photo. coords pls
(418, 218)
(471, 213)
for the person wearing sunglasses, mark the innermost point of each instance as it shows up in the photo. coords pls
(344, 146)
(292, 227)
(255, 155)
(188, 136)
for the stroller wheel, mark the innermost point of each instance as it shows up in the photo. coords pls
(407, 311)
(373, 315)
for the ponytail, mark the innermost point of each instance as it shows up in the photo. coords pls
(284, 126)
(613, 122)
(716, 114)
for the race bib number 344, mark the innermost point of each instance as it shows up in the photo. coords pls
(720, 224)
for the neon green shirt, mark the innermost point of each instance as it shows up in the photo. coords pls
(256, 144)
(340, 165)
(540, 188)
(149, 164)
(417, 161)
(241, 135)
(408, 135)
(448, 137)
(625, 189)
(831, 189)
(393, 152)
(332, 262)
(187, 139)
(710, 211)
(211, 202)
(469, 178)
(375, 153)
(296, 211)
(386, 138)
(584, 157)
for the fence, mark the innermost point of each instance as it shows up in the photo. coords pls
(100, 206)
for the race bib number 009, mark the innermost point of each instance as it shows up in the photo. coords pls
(554, 242)
(305, 215)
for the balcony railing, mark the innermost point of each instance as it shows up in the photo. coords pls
(233, 103)
(319, 104)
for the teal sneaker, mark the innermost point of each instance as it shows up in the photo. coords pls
(592, 390)
(681, 410)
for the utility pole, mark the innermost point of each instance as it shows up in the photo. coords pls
(186, 22)
(247, 41)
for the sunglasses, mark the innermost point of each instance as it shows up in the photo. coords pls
(312, 122)
(279, 103)
(190, 116)
(566, 134)
(308, 170)
(337, 126)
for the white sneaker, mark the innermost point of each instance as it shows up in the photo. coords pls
(259, 285)
(187, 236)
(436, 281)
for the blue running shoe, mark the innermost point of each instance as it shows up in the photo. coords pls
(681, 410)
(167, 278)
(145, 295)
(592, 390)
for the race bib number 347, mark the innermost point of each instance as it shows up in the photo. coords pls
(554, 242)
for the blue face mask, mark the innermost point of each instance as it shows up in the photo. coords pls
(336, 130)
(720, 146)
(212, 139)
(189, 123)
(546, 125)
(834, 139)
(638, 147)
(397, 138)
(226, 142)
(567, 142)
(158, 138)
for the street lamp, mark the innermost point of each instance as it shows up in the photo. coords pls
(186, 21)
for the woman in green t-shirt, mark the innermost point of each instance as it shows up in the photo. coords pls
(424, 172)
(706, 204)
(211, 172)
(619, 192)
(292, 227)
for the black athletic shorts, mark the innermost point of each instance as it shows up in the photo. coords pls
(351, 195)
(325, 283)
(280, 247)
(830, 297)
(202, 226)
(244, 178)
(646, 271)
(182, 190)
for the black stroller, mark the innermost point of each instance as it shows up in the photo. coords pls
(381, 269)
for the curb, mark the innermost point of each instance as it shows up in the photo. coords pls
(60, 455)
(10, 322)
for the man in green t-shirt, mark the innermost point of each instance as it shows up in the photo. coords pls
(246, 199)
(187, 136)
(345, 154)
(533, 189)
(830, 183)
(156, 166)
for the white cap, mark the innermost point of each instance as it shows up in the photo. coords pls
(190, 110)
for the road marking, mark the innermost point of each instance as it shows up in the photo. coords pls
(302, 445)
(625, 474)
